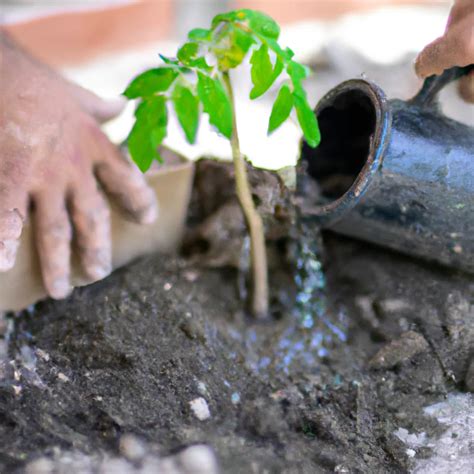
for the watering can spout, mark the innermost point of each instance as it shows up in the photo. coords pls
(395, 173)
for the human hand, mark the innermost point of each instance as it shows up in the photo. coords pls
(52, 156)
(454, 48)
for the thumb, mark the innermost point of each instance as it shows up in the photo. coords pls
(101, 109)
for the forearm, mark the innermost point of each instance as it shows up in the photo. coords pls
(14, 56)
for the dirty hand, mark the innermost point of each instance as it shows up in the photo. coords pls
(454, 48)
(52, 152)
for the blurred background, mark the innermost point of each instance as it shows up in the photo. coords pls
(102, 44)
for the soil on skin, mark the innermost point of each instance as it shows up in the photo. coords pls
(129, 354)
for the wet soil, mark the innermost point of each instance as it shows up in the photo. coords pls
(128, 355)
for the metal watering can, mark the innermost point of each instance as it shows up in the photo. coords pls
(395, 173)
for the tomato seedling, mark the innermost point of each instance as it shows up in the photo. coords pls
(198, 80)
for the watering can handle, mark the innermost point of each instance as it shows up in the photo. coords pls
(427, 95)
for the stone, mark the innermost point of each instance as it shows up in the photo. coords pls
(408, 345)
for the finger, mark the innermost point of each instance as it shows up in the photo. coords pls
(8, 250)
(53, 240)
(91, 219)
(11, 224)
(101, 109)
(127, 185)
(443, 53)
(466, 87)
(12, 214)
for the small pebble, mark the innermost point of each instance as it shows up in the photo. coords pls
(410, 453)
(191, 276)
(152, 465)
(132, 448)
(408, 345)
(340, 468)
(40, 466)
(202, 389)
(235, 398)
(115, 466)
(200, 408)
(42, 355)
(63, 377)
(198, 459)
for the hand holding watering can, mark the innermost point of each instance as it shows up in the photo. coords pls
(396, 173)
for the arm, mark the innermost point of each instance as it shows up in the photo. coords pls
(53, 156)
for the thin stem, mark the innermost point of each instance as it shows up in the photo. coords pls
(259, 304)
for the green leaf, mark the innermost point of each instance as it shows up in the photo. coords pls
(200, 34)
(188, 52)
(186, 105)
(152, 112)
(263, 73)
(188, 55)
(148, 132)
(297, 73)
(261, 23)
(281, 108)
(243, 39)
(226, 17)
(169, 61)
(257, 21)
(157, 135)
(216, 103)
(232, 44)
(150, 82)
(307, 119)
(140, 147)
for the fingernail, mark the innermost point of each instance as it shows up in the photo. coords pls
(60, 289)
(8, 249)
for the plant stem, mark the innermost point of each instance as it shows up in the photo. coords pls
(259, 303)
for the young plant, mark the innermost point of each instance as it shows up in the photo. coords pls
(198, 80)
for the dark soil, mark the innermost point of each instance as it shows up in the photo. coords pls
(129, 354)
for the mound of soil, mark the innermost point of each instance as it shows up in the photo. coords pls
(162, 350)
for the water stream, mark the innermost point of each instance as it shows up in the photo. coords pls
(312, 328)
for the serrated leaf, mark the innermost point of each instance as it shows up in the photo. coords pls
(216, 103)
(289, 53)
(263, 73)
(284, 55)
(188, 52)
(200, 34)
(297, 73)
(231, 47)
(307, 120)
(157, 135)
(188, 56)
(150, 82)
(152, 111)
(148, 132)
(262, 23)
(281, 108)
(226, 17)
(140, 147)
(186, 105)
(169, 61)
(257, 21)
